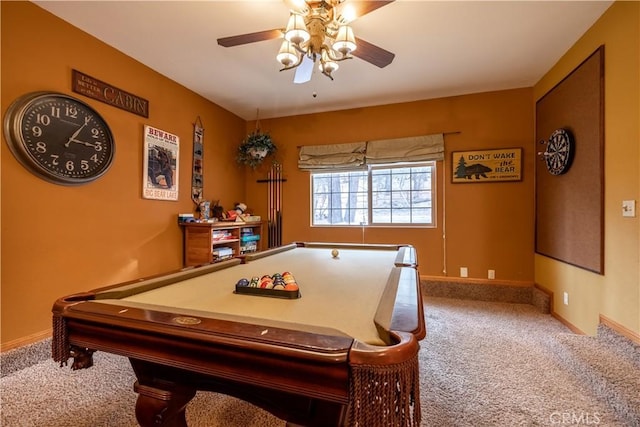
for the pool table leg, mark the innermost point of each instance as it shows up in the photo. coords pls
(159, 407)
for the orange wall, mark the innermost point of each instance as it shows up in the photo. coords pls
(488, 225)
(616, 294)
(57, 240)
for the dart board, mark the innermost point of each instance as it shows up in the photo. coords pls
(559, 152)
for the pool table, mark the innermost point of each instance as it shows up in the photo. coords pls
(343, 351)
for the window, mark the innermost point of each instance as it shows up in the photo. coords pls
(399, 194)
(340, 198)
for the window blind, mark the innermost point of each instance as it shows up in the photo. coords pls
(355, 155)
(332, 156)
(411, 149)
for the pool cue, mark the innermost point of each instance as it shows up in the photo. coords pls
(270, 184)
(274, 182)
(279, 203)
(269, 209)
(274, 206)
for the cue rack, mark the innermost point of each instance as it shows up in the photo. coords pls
(274, 183)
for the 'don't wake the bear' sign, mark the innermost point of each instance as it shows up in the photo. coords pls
(486, 165)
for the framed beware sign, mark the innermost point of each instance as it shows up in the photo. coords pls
(486, 166)
(160, 169)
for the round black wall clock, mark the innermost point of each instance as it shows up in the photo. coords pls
(59, 138)
(559, 152)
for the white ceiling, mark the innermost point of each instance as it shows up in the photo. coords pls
(443, 48)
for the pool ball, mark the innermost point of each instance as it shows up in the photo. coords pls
(266, 282)
(243, 282)
(291, 287)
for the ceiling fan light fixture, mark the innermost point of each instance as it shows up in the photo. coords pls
(287, 55)
(347, 14)
(319, 30)
(296, 31)
(345, 41)
(297, 5)
(327, 65)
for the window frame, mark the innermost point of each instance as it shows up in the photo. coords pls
(368, 170)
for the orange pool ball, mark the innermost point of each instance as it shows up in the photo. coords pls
(291, 287)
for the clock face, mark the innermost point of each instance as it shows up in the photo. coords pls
(559, 152)
(59, 138)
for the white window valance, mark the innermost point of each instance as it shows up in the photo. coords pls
(411, 149)
(332, 156)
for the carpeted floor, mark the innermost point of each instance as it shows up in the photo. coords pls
(482, 364)
(491, 364)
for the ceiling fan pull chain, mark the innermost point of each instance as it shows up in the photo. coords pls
(257, 120)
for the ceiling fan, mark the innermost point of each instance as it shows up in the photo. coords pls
(319, 31)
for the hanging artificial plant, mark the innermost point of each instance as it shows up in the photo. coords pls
(255, 147)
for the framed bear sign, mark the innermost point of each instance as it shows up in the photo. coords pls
(486, 166)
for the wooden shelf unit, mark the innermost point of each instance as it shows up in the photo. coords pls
(206, 243)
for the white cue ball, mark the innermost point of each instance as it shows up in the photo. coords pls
(335, 253)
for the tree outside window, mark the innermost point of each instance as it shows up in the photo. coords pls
(381, 195)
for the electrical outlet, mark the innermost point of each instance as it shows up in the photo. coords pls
(565, 298)
(464, 272)
(491, 274)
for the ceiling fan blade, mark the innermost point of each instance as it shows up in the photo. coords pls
(304, 71)
(249, 38)
(372, 53)
(363, 7)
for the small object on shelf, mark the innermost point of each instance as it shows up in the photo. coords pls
(218, 235)
(248, 248)
(185, 217)
(221, 253)
(335, 253)
(204, 207)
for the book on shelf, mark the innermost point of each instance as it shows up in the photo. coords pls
(222, 252)
(222, 235)
(249, 247)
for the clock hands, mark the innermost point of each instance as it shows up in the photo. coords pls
(77, 141)
(72, 138)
